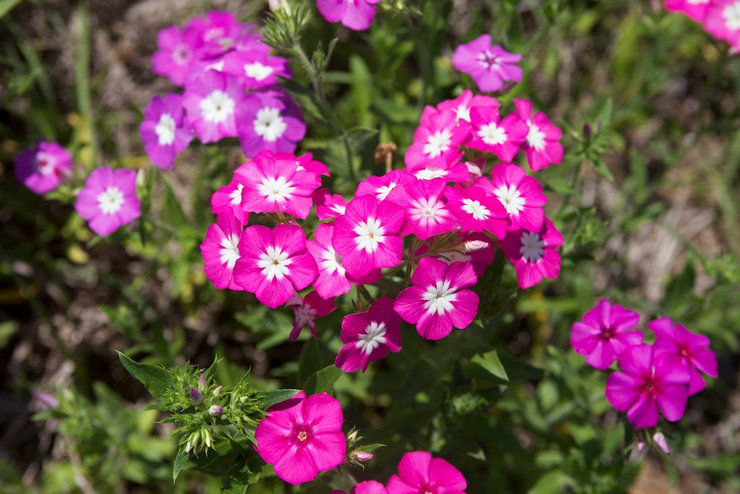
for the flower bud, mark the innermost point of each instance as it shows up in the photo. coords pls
(661, 443)
(352, 436)
(46, 399)
(586, 130)
(196, 396)
(217, 391)
(362, 456)
(215, 410)
(202, 384)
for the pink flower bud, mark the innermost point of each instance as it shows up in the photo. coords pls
(362, 456)
(46, 399)
(196, 396)
(661, 443)
(202, 384)
(215, 410)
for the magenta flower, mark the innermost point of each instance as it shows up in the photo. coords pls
(229, 197)
(329, 205)
(164, 131)
(462, 104)
(722, 19)
(220, 250)
(456, 173)
(274, 263)
(436, 141)
(426, 209)
(542, 144)
(220, 32)
(381, 187)
(648, 383)
(436, 301)
(500, 137)
(691, 349)
(354, 14)
(367, 236)
(477, 211)
(256, 67)
(273, 183)
(43, 167)
(369, 336)
(534, 254)
(520, 194)
(605, 333)
(695, 9)
(489, 65)
(368, 487)
(270, 120)
(420, 473)
(306, 310)
(211, 100)
(302, 436)
(108, 199)
(176, 50)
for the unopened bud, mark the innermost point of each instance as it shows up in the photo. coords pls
(217, 391)
(207, 438)
(475, 245)
(661, 443)
(215, 410)
(278, 4)
(362, 456)
(640, 445)
(352, 436)
(188, 447)
(586, 130)
(202, 384)
(196, 396)
(46, 399)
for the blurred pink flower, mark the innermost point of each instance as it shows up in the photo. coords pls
(164, 131)
(176, 51)
(269, 120)
(211, 100)
(369, 487)
(306, 310)
(722, 19)
(695, 9)
(489, 65)
(108, 199)
(420, 473)
(44, 167)
(354, 14)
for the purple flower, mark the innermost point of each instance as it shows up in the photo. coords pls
(489, 65)
(211, 100)
(534, 254)
(176, 50)
(605, 333)
(108, 199)
(354, 14)
(269, 120)
(43, 167)
(164, 131)
(256, 67)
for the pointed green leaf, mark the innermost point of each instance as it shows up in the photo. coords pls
(323, 379)
(180, 459)
(269, 398)
(491, 363)
(156, 379)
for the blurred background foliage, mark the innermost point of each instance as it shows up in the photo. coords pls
(647, 199)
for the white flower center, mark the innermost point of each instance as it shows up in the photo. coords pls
(274, 263)
(236, 195)
(305, 315)
(110, 200)
(218, 66)
(269, 124)
(462, 112)
(382, 192)
(492, 134)
(276, 189)
(438, 143)
(430, 173)
(339, 208)
(370, 234)
(44, 163)
(217, 107)
(535, 137)
(372, 338)
(428, 210)
(533, 247)
(332, 262)
(439, 298)
(510, 198)
(731, 13)
(475, 209)
(165, 129)
(181, 54)
(257, 71)
(230, 250)
(487, 59)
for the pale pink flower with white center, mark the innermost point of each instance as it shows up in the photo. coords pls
(228, 198)
(269, 119)
(273, 183)
(427, 213)
(211, 100)
(367, 236)
(542, 145)
(477, 211)
(436, 141)
(220, 250)
(274, 263)
(436, 301)
(369, 336)
(380, 187)
(420, 473)
(520, 194)
(306, 310)
(329, 205)
(722, 19)
(256, 67)
(534, 254)
(176, 51)
(164, 131)
(108, 199)
(489, 65)
(694, 9)
(462, 104)
(43, 167)
(489, 133)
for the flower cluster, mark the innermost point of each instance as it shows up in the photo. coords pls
(652, 377)
(721, 18)
(230, 90)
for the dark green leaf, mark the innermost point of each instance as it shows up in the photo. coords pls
(156, 379)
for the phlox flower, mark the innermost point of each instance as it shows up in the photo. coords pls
(455, 173)
(211, 100)
(274, 263)
(219, 32)
(520, 194)
(273, 183)
(306, 163)
(605, 333)
(722, 19)
(420, 473)
(534, 254)
(270, 120)
(491, 134)
(256, 67)
(367, 236)
(228, 198)
(43, 167)
(542, 144)
(368, 487)
(489, 65)
(477, 211)
(380, 187)
(695, 9)
(427, 213)
(436, 301)
(354, 14)
(369, 336)
(220, 250)
(647, 383)
(436, 141)
(108, 199)
(176, 50)
(690, 349)
(462, 104)
(329, 205)
(306, 310)
(302, 436)
(164, 131)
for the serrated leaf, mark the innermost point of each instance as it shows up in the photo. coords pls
(156, 379)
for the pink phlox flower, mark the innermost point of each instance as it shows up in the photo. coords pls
(176, 51)
(520, 194)
(257, 68)
(489, 65)
(489, 133)
(456, 173)
(424, 203)
(164, 131)
(420, 473)
(329, 205)
(273, 184)
(534, 254)
(722, 19)
(44, 167)
(367, 236)
(694, 9)
(436, 301)
(108, 199)
(477, 211)
(369, 336)
(380, 187)
(220, 250)
(648, 383)
(354, 14)
(368, 487)
(211, 100)
(270, 120)
(274, 263)
(220, 32)
(542, 144)
(462, 104)
(229, 197)
(307, 163)
(437, 141)
(691, 349)
(605, 333)
(302, 436)
(306, 310)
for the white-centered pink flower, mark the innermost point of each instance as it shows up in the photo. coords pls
(329, 205)
(490, 133)
(542, 144)
(722, 19)
(476, 210)
(211, 100)
(520, 195)
(436, 141)
(534, 254)
(427, 213)
(306, 310)
(381, 187)
(220, 250)
(462, 104)
(228, 198)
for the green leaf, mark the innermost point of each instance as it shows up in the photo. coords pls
(323, 379)
(269, 398)
(6, 6)
(156, 379)
(180, 459)
(490, 362)
(601, 167)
